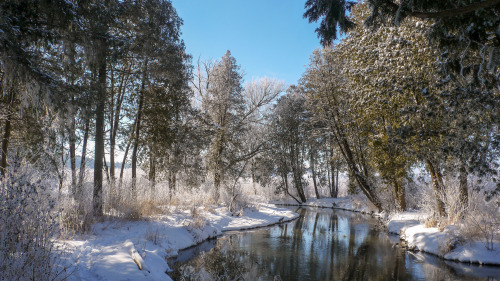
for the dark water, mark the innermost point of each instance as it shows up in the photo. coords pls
(322, 244)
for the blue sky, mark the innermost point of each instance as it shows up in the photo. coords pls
(267, 37)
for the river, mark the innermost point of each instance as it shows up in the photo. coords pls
(322, 244)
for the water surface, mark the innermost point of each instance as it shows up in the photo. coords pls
(322, 244)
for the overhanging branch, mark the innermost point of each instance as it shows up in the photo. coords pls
(449, 12)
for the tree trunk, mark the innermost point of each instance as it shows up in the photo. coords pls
(6, 136)
(329, 177)
(464, 192)
(253, 177)
(99, 130)
(137, 132)
(129, 143)
(152, 170)
(61, 173)
(285, 182)
(72, 155)
(336, 183)
(173, 181)
(115, 122)
(106, 168)
(218, 173)
(79, 191)
(360, 179)
(112, 140)
(297, 176)
(171, 177)
(313, 173)
(399, 195)
(437, 184)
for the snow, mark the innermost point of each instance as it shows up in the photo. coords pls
(400, 222)
(350, 203)
(117, 249)
(446, 244)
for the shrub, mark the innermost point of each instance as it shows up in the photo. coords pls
(450, 196)
(482, 220)
(75, 217)
(154, 235)
(27, 227)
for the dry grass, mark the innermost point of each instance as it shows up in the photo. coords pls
(450, 244)
(431, 222)
(140, 210)
(154, 235)
(482, 221)
(75, 218)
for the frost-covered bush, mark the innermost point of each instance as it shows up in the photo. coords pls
(75, 217)
(27, 227)
(453, 204)
(450, 196)
(386, 196)
(482, 220)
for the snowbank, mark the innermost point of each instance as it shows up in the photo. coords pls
(137, 250)
(350, 203)
(400, 222)
(446, 244)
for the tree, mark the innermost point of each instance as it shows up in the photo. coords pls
(451, 15)
(288, 140)
(96, 19)
(390, 69)
(333, 14)
(333, 104)
(230, 112)
(418, 99)
(224, 104)
(29, 29)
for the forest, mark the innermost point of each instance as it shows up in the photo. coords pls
(104, 114)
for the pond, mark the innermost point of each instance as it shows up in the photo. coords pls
(322, 244)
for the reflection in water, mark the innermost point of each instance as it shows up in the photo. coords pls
(322, 244)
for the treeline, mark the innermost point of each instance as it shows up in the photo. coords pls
(385, 100)
(75, 69)
(116, 73)
(390, 98)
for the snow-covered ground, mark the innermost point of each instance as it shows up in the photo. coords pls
(446, 244)
(411, 228)
(117, 249)
(355, 204)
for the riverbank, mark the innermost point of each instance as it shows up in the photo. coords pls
(446, 243)
(354, 204)
(410, 226)
(118, 249)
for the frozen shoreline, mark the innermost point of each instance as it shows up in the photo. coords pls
(116, 249)
(446, 244)
(410, 227)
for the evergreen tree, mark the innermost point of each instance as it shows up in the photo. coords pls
(289, 141)
(224, 104)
